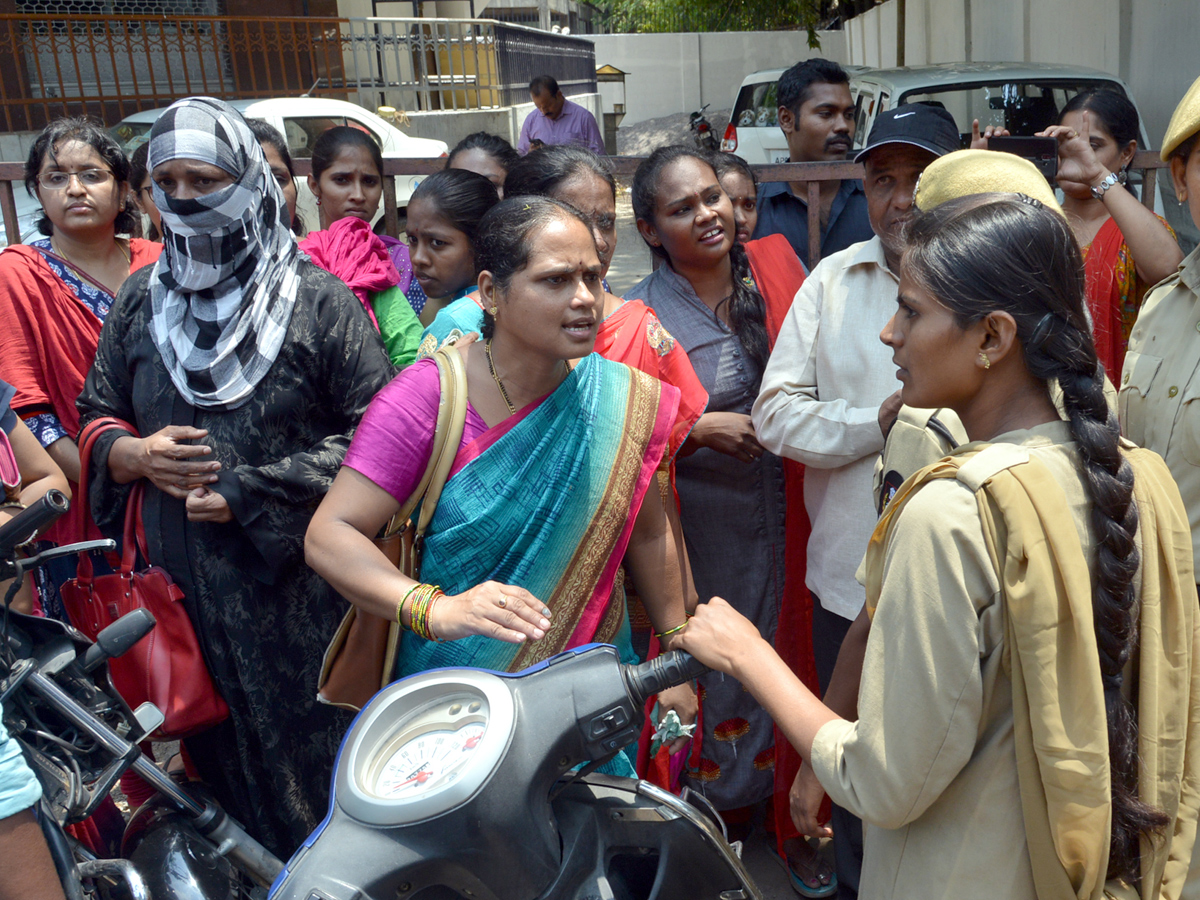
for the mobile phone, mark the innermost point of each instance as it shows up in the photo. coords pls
(1041, 151)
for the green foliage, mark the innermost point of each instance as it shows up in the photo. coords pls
(644, 16)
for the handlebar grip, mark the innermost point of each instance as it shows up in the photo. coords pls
(660, 673)
(27, 523)
(118, 637)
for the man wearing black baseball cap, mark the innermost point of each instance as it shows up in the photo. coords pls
(828, 394)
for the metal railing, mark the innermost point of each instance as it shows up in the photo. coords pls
(812, 174)
(113, 66)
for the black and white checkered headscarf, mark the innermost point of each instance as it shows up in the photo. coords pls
(223, 291)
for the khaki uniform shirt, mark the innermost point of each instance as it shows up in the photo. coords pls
(930, 766)
(1159, 399)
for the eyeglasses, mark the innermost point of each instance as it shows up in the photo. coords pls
(58, 181)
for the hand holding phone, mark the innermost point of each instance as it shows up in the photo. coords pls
(1040, 150)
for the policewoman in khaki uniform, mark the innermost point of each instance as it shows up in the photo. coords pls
(996, 754)
(1159, 399)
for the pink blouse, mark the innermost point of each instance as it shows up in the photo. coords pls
(393, 443)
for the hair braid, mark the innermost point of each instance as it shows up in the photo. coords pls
(1109, 478)
(999, 252)
(748, 309)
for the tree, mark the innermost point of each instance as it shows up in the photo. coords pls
(717, 15)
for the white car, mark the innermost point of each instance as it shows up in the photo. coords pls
(301, 120)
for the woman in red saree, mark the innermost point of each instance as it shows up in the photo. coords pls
(54, 296)
(56, 291)
(1126, 248)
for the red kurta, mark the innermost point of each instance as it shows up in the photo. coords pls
(778, 275)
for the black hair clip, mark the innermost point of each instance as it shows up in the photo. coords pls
(1030, 201)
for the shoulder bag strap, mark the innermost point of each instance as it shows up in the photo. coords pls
(79, 273)
(399, 521)
(454, 403)
(452, 417)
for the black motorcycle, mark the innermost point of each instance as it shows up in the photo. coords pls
(79, 737)
(702, 133)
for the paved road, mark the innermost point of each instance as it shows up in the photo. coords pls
(758, 854)
(631, 263)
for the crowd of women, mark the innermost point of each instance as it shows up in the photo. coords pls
(281, 392)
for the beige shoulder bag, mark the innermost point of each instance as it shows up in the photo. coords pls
(361, 657)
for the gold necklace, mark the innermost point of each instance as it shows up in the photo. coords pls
(487, 350)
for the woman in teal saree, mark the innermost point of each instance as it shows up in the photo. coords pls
(552, 496)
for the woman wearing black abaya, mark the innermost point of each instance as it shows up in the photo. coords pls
(246, 369)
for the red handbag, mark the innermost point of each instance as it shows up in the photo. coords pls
(166, 667)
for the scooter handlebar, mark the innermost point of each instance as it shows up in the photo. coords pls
(660, 673)
(27, 523)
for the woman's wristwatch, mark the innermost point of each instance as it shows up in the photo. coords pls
(1099, 190)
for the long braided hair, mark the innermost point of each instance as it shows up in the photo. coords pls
(747, 309)
(1005, 252)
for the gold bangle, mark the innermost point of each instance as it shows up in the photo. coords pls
(670, 631)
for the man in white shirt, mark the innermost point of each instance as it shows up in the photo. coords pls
(829, 384)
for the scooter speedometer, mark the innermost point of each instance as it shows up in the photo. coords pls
(424, 746)
(432, 750)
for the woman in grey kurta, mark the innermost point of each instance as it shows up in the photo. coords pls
(278, 417)
(731, 491)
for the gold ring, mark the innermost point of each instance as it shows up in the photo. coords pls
(502, 602)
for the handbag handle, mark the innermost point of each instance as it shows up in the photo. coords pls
(87, 442)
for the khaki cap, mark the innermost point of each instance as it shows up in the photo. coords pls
(1185, 121)
(967, 172)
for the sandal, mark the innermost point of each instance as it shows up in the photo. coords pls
(810, 874)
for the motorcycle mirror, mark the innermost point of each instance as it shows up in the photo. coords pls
(118, 637)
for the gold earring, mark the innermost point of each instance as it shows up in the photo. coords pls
(492, 311)
(987, 363)
(1180, 196)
